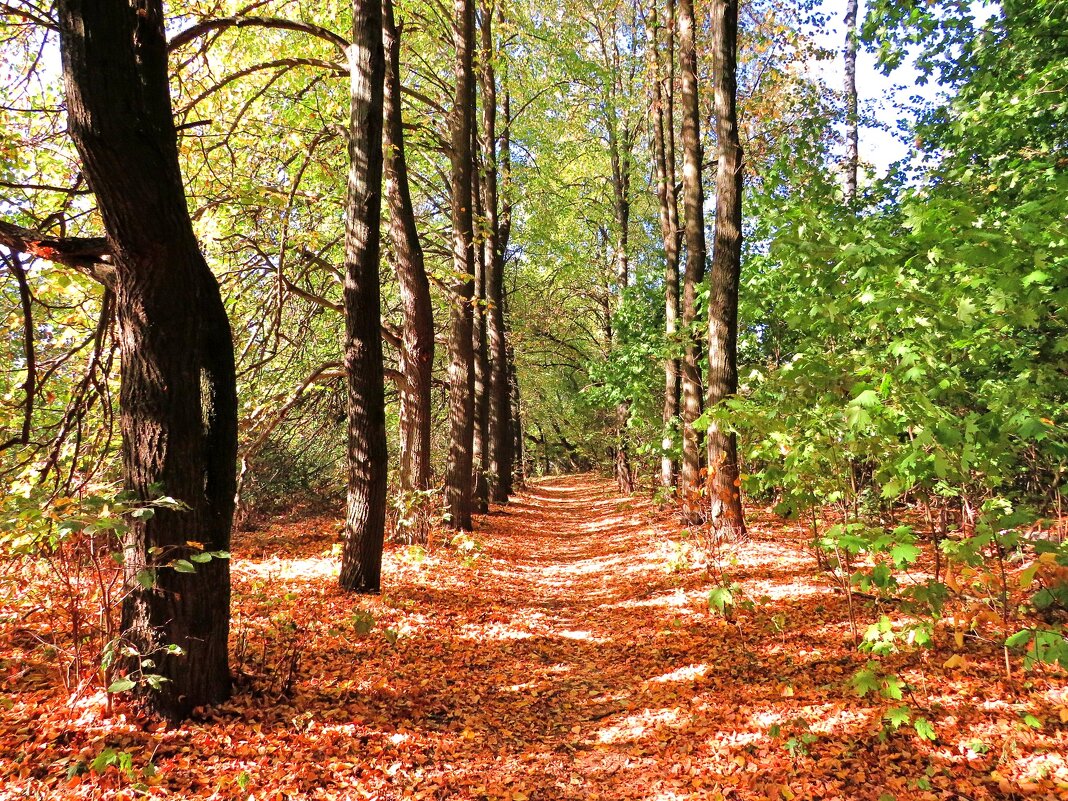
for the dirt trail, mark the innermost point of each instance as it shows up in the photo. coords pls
(574, 657)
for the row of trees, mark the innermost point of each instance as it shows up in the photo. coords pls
(869, 342)
(260, 112)
(178, 402)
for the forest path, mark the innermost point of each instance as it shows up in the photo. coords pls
(573, 658)
(571, 655)
(577, 658)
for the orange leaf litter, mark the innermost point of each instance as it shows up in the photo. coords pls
(574, 657)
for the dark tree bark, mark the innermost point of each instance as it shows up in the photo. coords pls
(621, 186)
(852, 158)
(724, 485)
(499, 467)
(361, 556)
(667, 196)
(480, 344)
(519, 470)
(619, 153)
(511, 458)
(693, 203)
(178, 401)
(417, 352)
(458, 489)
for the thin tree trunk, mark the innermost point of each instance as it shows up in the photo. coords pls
(852, 158)
(693, 203)
(417, 353)
(664, 156)
(724, 485)
(178, 402)
(480, 345)
(620, 161)
(519, 465)
(511, 459)
(499, 411)
(458, 489)
(361, 556)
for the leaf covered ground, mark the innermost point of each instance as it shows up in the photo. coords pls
(566, 651)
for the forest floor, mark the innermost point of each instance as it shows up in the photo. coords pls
(568, 653)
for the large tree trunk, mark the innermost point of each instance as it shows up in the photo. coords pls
(458, 489)
(499, 406)
(177, 401)
(361, 557)
(852, 158)
(664, 156)
(417, 352)
(693, 203)
(724, 485)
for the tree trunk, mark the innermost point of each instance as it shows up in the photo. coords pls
(619, 156)
(458, 489)
(693, 203)
(724, 486)
(480, 345)
(512, 468)
(664, 156)
(852, 158)
(361, 557)
(178, 402)
(417, 352)
(519, 469)
(499, 410)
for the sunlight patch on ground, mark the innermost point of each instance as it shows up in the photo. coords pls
(634, 727)
(1036, 767)
(526, 686)
(678, 599)
(777, 591)
(90, 708)
(687, 673)
(311, 569)
(493, 631)
(347, 730)
(827, 719)
(584, 567)
(831, 719)
(579, 635)
(1058, 696)
(761, 555)
(602, 524)
(766, 719)
(739, 739)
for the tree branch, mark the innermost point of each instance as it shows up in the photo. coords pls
(30, 386)
(224, 23)
(88, 255)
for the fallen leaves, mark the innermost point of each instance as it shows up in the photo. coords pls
(567, 662)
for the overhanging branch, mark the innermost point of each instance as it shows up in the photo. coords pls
(88, 255)
(224, 23)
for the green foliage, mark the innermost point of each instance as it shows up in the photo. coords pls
(913, 350)
(797, 736)
(468, 548)
(73, 549)
(870, 679)
(362, 622)
(413, 514)
(1049, 646)
(721, 599)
